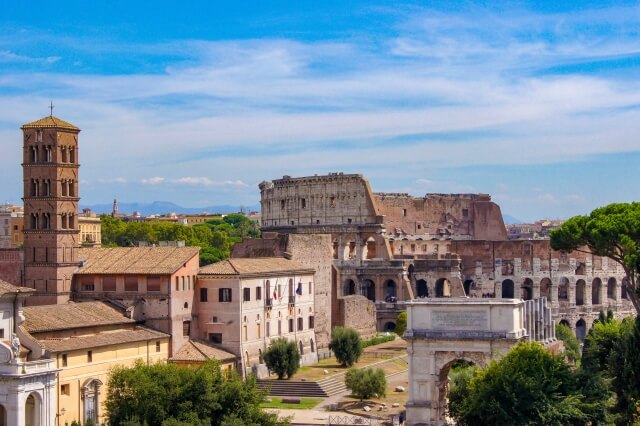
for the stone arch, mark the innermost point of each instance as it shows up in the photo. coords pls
(33, 410)
(596, 291)
(422, 290)
(349, 287)
(545, 288)
(443, 377)
(369, 290)
(581, 329)
(563, 289)
(389, 326)
(580, 291)
(565, 322)
(468, 285)
(612, 285)
(527, 289)
(390, 290)
(443, 288)
(508, 289)
(623, 288)
(370, 248)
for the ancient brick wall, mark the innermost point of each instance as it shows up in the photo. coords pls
(11, 264)
(359, 313)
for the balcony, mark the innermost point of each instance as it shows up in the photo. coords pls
(268, 303)
(292, 300)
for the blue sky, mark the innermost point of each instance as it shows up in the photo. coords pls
(535, 103)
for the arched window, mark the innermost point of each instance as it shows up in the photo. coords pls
(507, 289)
(596, 291)
(90, 391)
(421, 289)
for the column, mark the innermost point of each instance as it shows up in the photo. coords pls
(571, 291)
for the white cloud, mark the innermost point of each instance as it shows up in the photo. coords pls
(548, 198)
(575, 198)
(120, 180)
(156, 180)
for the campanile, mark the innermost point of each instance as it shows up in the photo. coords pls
(50, 175)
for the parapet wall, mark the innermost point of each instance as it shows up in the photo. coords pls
(11, 266)
(359, 313)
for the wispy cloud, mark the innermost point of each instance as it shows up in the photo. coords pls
(192, 181)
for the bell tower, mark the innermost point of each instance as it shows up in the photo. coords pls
(50, 175)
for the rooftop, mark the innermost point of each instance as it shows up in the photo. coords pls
(197, 350)
(134, 260)
(139, 334)
(50, 122)
(7, 288)
(254, 266)
(71, 315)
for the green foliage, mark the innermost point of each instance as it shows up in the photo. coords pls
(346, 345)
(611, 231)
(165, 394)
(401, 323)
(459, 379)
(376, 340)
(598, 345)
(282, 357)
(529, 386)
(366, 382)
(624, 372)
(215, 237)
(571, 343)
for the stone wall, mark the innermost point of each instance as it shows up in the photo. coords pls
(359, 313)
(11, 266)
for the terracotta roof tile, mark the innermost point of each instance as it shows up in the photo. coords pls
(197, 350)
(139, 334)
(134, 260)
(50, 122)
(6, 287)
(71, 315)
(250, 266)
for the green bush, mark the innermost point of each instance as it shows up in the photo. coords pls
(346, 345)
(282, 357)
(571, 343)
(401, 323)
(366, 382)
(376, 340)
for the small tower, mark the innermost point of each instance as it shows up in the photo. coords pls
(51, 236)
(114, 212)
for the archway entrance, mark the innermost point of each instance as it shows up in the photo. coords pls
(449, 376)
(389, 326)
(507, 289)
(596, 291)
(563, 290)
(349, 288)
(468, 285)
(580, 288)
(421, 289)
(90, 392)
(527, 289)
(390, 293)
(32, 408)
(443, 288)
(545, 288)
(581, 329)
(369, 290)
(612, 289)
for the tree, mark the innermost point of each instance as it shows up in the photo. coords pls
(571, 343)
(346, 345)
(366, 382)
(282, 357)
(530, 385)
(611, 231)
(624, 371)
(401, 323)
(165, 394)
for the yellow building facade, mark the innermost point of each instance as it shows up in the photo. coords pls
(87, 340)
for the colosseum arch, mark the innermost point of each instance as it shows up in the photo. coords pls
(443, 288)
(612, 289)
(623, 288)
(545, 288)
(580, 292)
(527, 289)
(468, 285)
(349, 288)
(390, 290)
(581, 329)
(508, 289)
(369, 290)
(563, 289)
(422, 290)
(596, 291)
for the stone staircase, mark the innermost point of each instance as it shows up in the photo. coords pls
(321, 389)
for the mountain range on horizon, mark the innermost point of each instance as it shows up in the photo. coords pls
(164, 207)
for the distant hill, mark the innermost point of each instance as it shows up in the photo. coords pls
(510, 220)
(163, 207)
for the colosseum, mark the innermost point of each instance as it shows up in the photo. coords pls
(391, 247)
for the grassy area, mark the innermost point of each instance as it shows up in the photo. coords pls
(305, 403)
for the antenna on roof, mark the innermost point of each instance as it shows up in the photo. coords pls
(51, 108)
